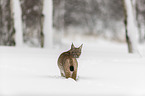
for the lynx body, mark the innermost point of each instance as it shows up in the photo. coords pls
(67, 62)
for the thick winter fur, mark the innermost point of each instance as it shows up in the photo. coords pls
(67, 62)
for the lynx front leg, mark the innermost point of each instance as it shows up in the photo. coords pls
(62, 75)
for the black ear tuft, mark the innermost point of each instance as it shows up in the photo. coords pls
(81, 46)
(72, 46)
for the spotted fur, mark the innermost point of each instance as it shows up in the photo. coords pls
(67, 62)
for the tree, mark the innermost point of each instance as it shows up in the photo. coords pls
(140, 10)
(32, 22)
(58, 20)
(7, 31)
(47, 29)
(130, 26)
(18, 23)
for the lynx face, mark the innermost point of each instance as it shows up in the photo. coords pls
(75, 52)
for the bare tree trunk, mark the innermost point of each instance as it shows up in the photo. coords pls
(129, 44)
(129, 26)
(32, 22)
(47, 29)
(18, 23)
(141, 19)
(58, 20)
(6, 23)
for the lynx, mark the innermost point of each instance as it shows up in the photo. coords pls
(67, 62)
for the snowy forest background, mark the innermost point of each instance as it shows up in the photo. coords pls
(41, 23)
(33, 34)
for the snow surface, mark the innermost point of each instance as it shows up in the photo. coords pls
(105, 69)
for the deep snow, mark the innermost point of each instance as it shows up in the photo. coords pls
(104, 69)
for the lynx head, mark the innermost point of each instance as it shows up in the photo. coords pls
(75, 52)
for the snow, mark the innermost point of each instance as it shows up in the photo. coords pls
(18, 23)
(48, 34)
(104, 69)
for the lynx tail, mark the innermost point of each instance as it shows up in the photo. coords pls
(71, 68)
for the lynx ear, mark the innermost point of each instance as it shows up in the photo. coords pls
(72, 46)
(81, 46)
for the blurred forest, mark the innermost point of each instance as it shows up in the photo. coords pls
(95, 18)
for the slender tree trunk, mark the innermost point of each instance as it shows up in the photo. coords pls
(141, 19)
(32, 22)
(129, 44)
(58, 20)
(7, 31)
(130, 28)
(47, 29)
(18, 23)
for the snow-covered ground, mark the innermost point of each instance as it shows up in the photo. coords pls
(104, 69)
